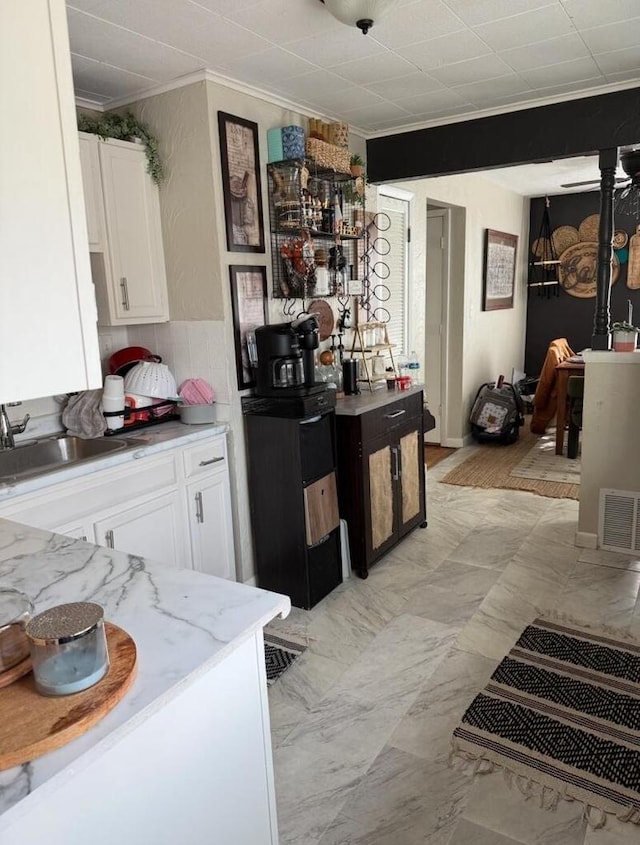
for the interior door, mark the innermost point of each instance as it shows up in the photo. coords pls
(434, 326)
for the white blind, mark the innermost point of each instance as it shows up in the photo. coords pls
(396, 260)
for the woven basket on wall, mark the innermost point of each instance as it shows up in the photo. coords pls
(328, 155)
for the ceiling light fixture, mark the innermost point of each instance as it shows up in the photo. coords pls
(360, 13)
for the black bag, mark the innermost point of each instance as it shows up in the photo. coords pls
(497, 414)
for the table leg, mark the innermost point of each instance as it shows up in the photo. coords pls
(561, 409)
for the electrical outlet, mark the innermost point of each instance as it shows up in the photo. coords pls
(105, 342)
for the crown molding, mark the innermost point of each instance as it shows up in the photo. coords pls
(512, 107)
(83, 103)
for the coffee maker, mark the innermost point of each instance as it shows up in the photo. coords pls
(285, 365)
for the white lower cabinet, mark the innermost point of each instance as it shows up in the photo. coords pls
(154, 529)
(173, 507)
(210, 525)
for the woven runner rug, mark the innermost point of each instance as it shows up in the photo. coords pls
(279, 654)
(561, 717)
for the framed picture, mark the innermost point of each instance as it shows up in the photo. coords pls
(241, 183)
(249, 302)
(499, 270)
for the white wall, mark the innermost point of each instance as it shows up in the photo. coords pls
(481, 344)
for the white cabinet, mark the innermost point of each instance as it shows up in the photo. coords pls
(123, 217)
(210, 525)
(48, 313)
(154, 529)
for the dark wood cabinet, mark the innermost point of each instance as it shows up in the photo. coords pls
(294, 510)
(381, 487)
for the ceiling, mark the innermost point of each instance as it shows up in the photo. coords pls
(428, 62)
(549, 178)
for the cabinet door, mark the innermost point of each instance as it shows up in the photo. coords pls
(409, 445)
(48, 313)
(92, 185)
(211, 526)
(380, 471)
(136, 285)
(153, 529)
(77, 530)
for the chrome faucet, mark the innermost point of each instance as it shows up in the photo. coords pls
(9, 429)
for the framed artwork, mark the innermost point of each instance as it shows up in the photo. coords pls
(499, 270)
(241, 183)
(249, 302)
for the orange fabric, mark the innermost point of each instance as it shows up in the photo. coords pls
(546, 399)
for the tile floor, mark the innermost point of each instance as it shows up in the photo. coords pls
(361, 722)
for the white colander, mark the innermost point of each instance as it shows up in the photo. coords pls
(151, 379)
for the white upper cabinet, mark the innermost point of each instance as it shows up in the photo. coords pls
(123, 215)
(48, 312)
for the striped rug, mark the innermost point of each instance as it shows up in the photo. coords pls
(561, 716)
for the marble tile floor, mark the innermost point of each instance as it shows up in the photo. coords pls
(362, 720)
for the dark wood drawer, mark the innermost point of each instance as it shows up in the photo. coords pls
(381, 420)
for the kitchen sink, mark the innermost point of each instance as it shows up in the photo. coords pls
(53, 453)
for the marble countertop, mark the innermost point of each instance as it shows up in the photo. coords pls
(368, 401)
(144, 442)
(183, 623)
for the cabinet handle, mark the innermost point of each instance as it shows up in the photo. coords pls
(108, 538)
(212, 461)
(199, 508)
(396, 463)
(399, 454)
(311, 420)
(83, 537)
(125, 293)
(393, 414)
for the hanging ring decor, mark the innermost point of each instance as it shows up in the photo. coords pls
(544, 262)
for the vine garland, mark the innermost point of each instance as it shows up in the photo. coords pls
(125, 128)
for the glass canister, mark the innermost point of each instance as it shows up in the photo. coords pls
(15, 611)
(68, 648)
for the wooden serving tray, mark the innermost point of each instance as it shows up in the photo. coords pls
(32, 724)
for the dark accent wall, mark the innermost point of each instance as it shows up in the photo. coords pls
(584, 125)
(565, 315)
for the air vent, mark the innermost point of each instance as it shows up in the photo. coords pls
(619, 523)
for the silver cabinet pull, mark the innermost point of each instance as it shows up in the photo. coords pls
(393, 414)
(399, 453)
(311, 420)
(108, 538)
(83, 537)
(212, 461)
(199, 508)
(125, 293)
(396, 464)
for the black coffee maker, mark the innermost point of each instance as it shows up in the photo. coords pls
(285, 364)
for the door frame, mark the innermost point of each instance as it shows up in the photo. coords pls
(445, 312)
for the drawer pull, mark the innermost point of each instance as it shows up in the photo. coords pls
(211, 461)
(199, 508)
(397, 413)
(311, 420)
(125, 293)
(108, 538)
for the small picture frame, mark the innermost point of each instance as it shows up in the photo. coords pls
(249, 304)
(242, 190)
(500, 250)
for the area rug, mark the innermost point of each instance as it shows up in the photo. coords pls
(561, 717)
(541, 462)
(491, 466)
(279, 654)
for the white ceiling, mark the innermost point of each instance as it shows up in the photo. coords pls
(428, 62)
(548, 178)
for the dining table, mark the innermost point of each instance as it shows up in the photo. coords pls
(564, 371)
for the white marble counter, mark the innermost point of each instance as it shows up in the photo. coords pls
(149, 441)
(368, 401)
(183, 623)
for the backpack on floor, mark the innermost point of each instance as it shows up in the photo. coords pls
(497, 414)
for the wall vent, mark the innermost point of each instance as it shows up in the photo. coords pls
(619, 521)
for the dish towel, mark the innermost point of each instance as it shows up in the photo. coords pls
(82, 416)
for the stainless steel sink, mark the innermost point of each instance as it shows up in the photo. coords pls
(55, 452)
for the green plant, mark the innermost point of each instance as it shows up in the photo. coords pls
(623, 327)
(124, 128)
(357, 159)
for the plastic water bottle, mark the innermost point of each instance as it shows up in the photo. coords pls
(414, 369)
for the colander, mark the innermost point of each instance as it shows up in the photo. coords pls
(151, 379)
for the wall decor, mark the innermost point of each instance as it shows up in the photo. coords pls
(249, 303)
(499, 270)
(579, 268)
(241, 183)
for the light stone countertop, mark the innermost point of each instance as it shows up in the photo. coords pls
(148, 441)
(353, 406)
(183, 623)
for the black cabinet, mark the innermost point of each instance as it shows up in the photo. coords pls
(294, 505)
(381, 473)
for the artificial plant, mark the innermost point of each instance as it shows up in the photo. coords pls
(125, 128)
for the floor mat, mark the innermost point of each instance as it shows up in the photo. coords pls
(279, 654)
